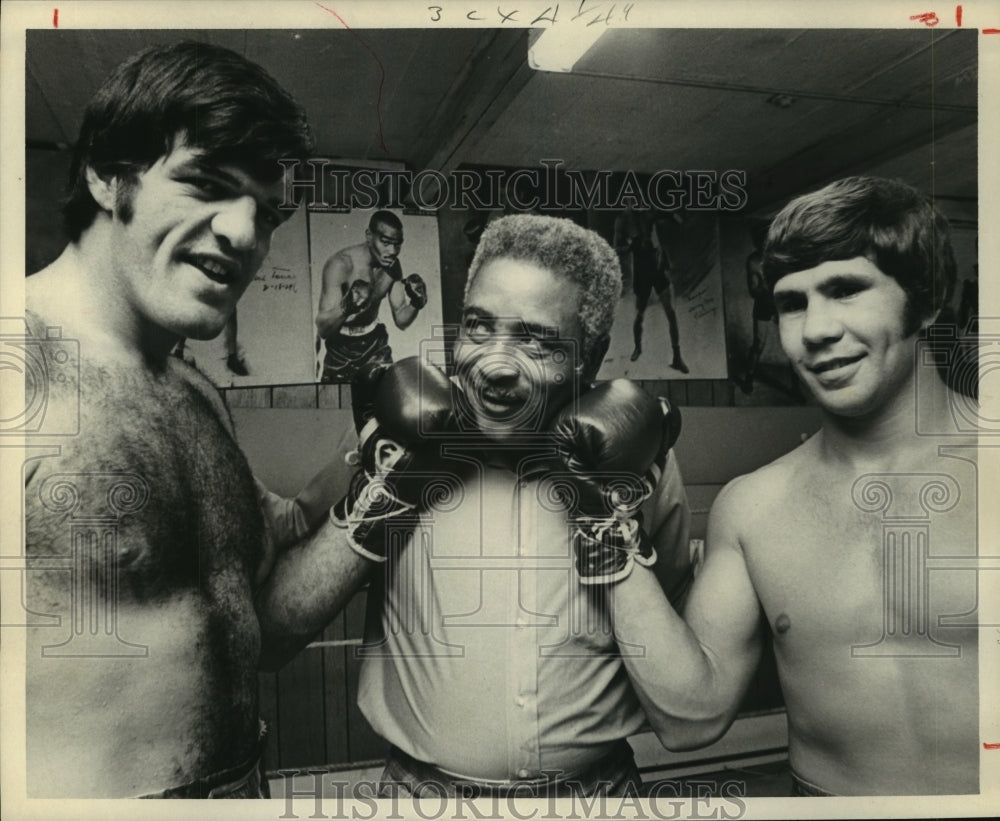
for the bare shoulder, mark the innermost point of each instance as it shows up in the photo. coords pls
(204, 386)
(340, 264)
(758, 496)
(42, 301)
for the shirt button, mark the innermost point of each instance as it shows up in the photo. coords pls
(520, 624)
(519, 701)
(523, 773)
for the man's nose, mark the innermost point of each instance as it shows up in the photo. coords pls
(822, 323)
(500, 361)
(236, 222)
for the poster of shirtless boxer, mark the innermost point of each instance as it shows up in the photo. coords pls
(375, 288)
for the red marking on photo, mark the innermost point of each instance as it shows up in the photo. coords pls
(991, 31)
(989, 746)
(958, 15)
(55, 18)
(381, 68)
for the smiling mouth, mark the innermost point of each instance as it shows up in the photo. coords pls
(220, 271)
(830, 365)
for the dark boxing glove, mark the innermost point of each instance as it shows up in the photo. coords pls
(357, 298)
(398, 408)
(613, 443)
(416, 290)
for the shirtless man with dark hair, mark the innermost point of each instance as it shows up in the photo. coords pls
(147, 535)
(856, 551)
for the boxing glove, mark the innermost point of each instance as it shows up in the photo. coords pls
(357, 298)
(399, 409)
(612, 444)
(416, 290)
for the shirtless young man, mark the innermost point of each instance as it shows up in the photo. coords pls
(355, 281)
(853, 550)
(171, 570)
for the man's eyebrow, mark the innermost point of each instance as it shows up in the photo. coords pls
(541, 331)
(205, 166)
(848, 278)
(476, 311)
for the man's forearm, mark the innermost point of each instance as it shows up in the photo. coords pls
(310, 584)
(687, 703)
(403, 315)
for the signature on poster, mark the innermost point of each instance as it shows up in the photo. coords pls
(702, 303)
(278, 279)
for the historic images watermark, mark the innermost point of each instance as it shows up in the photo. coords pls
(322, 795)
(320, 184)
(39, 408)
(90, 504)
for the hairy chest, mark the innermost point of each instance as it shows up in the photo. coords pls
(154, 484)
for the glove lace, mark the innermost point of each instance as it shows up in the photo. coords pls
(375, 502)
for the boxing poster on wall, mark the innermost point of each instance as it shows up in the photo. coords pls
(376, 288)
(669, 323)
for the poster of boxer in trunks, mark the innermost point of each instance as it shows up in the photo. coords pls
(375, 298)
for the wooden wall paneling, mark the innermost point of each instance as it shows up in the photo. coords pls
(365, 744)
(345, 396)
(294, 396)
(699, 393)
(301, 686)
(247, 397)
(328, 397)
(335, 693)
(722, 393)
(267, 698)
(677, 392)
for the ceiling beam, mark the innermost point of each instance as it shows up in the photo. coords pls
(494, 77)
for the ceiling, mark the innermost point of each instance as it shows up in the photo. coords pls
(792, 108)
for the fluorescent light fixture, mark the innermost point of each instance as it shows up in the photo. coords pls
(559, 49)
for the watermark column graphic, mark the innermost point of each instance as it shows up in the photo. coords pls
(443, 492)
(967, 427)
(906, 502)
(94, 504)
(32, 370)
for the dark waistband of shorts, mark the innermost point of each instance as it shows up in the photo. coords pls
(609, 772)
(806, 789)
(245, 780)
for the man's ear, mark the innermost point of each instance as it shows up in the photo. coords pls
(591, 364)
(102, 189)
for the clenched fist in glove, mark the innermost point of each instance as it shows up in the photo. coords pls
(357, 298)
(416, 290)
(613, 443)
(397, 407)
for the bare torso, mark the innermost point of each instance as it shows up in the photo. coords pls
(877, 662)
(157, 505)
(357, 262)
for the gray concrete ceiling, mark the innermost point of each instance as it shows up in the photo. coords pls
(792, 108)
